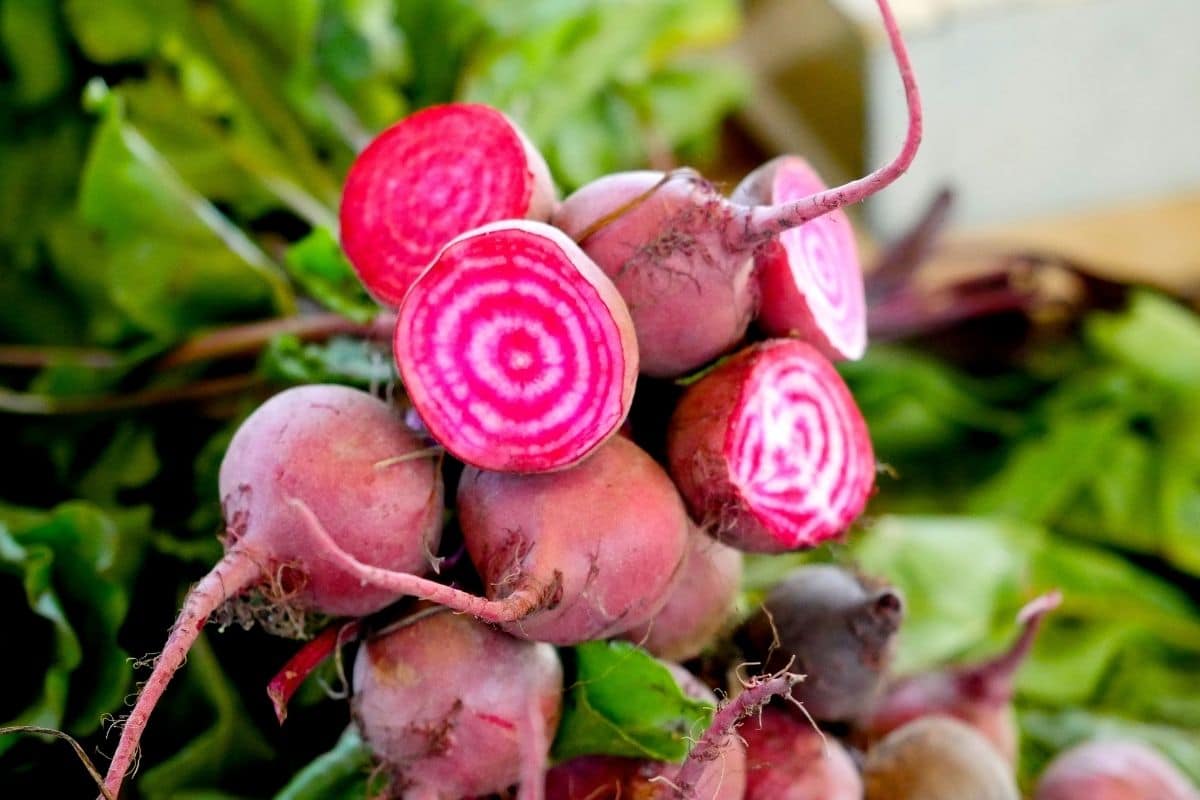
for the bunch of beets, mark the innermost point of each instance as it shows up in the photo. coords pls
(522, 324)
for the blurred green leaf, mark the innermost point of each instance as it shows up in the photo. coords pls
(354, 362)
(33, 47)
(623, 702)
(173, 261)
(110, 31)
(1155, 337)
(317, 263)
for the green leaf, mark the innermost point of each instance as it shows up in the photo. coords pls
(34, 49)
(78, 564)
(341, 774)
(317, 263)
(110, 31)
(1155, 337)
(623, 702)
(174, 262)
(354, 362)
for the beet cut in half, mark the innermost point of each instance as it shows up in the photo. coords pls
(810, 277)
(431, 176)
(516, 350)
(771, 450)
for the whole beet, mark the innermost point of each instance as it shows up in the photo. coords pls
(454, 708)
(832, 626)
(788, 759)
(698, 605)
(937, 758)
(1113, 770)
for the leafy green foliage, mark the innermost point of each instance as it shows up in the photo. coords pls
(623, 702)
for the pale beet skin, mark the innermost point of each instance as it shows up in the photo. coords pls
(937, 758)
(809, 277)
(682, 254)
(788, 759)
(699, 605)
(433, 175)
(313, 452)
(1113, 769)
(770, 450)
(516, 350)
(453, 708)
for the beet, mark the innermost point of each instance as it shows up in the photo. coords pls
(770, 450)
(453, 708)
(1113, 770)
(788, 759)
(810, 277)
(699, 604)
(313, 452)
(937, 758)
(433, 175)
(832, 626)
(516, 351)
(682, 254)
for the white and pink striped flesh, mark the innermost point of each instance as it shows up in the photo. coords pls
(516, 351)
(771, 449)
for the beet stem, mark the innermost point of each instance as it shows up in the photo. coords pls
(753, 697)
(234, 573)
(764, 222)
(515, 606)
(995, 677)
(307, 658)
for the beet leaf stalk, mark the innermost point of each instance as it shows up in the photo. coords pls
(682, 255)
(516, 351)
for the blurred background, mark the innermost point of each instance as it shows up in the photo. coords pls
(169, 179)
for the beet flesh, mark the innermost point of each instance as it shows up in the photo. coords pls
(516, 351)
(770, 449)
(810, 277)
(431, 176)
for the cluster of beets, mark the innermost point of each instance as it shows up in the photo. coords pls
(522, 324)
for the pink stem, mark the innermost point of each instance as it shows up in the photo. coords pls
(518, 605)
(234, 573)
(764, 222)
(534, 747)
(715, 739)
(307, 658)
(993, 679)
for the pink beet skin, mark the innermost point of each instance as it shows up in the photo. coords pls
(454, 708)
(699, 604)
(431, 176)
(681, 254)
(516, 351)
(771, 450)
(602, 542)
(328, 455)
(788, 759)
(664, 249)
(1113, 770)
(809, 277)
